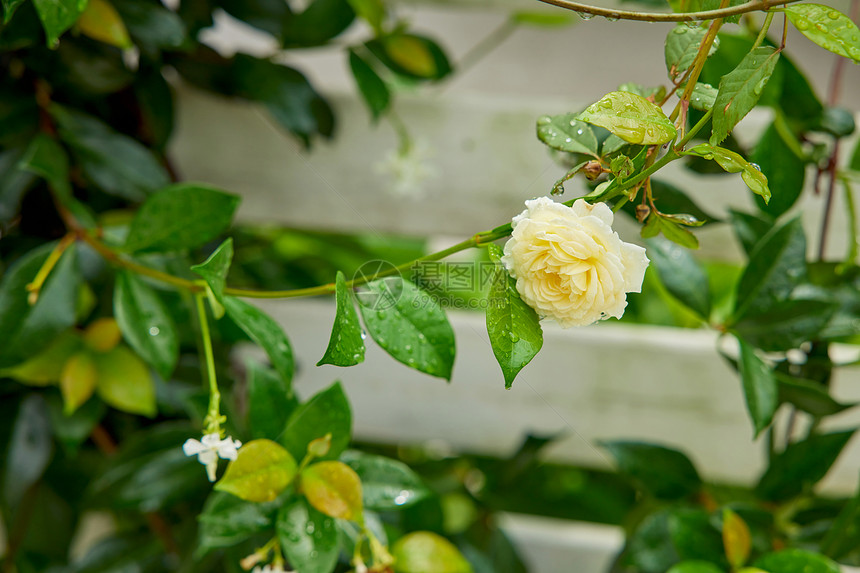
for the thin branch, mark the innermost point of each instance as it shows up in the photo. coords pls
(754, 6)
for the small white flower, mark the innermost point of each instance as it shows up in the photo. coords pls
(210, 448)
(270, 569)
(409, 169)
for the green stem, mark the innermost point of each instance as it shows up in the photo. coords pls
(213, 416)
(851, 256)
(753, 6)
(698, 64)
(762, 34)
(39, 280)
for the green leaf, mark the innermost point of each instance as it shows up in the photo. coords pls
(786, 324)
(671, 200)
(72, 431)
(263, 330)
(632, 118)
(386, 484)
(785, 172)
(262, 470)
(411, 55)
(100, 21)
(26, 329)
(270, 401)
(513, 326)
(372, 11)
(287, 95)
(9, 7)
(370, 85)
(682, 45)
(843, 535)
(57, 16)
(741, 89)
(776, 266)
(227, 521)
(760, 389)
(854, 164)
(732, 162)
(181, 216)
(542, 19)
(703, 96)
(801, 465)
(408, 324)
(46, 367)
(328, 412)
(78, 380)
(427, 552)
(664, 472)
(809, 396)
(214, 271)
(736, 538)
(124, 382)
(309, 538)
(827, 27)
(333, 488)
(146, 323)
(797, 561)
(151, 25)
(682, 275)
(677, 234)
(14, 181)
(29, 450)
(321, 21)
(749, 229)
(346, 345)
(566, 133)
(115, 163)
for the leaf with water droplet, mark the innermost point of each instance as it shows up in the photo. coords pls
(346, 345)
(145, 322)
(734, 163)
(262, 470)
(333, 488)
(227, 521)
(513, 326)
(328, 412)
(631, 117)
(566, 133)
(262, 329)
(308, 537)
(271, 400)
(740, 90)
(413, 313)
(386, 484)
(703, 96)
(426, 552)
(827, 27)
(681, 47)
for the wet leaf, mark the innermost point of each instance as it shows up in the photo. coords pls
(57, 16)
(328, 412)
(372, 87)
(732, 162)
(664, 472)
(760, 389)
(214, 271)
(566, 133)
(426, 552)
(386, 484)
(309, 538)
(682, 45)
(263, 330)
(797, 561)
(741, 89)
(346, 345)
(333, 488)
(262, 470)
(631, 117)
(270, 401)
(124, 382)
(827, 27)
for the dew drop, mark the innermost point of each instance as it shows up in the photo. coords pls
(755, 166)
(612, 18)
(585, 15)
(363, 335)
(691, 24)
(544, 120)
(834, 15)
(567, 140)
(578, 132)
(310, 528)
(802, 24)
(154, 330)
(408, 347)
(402, 497)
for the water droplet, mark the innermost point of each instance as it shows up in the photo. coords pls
(544, 120)
(363, 335)
(691, 24)
(802, 24)
(612, 18)
(356, 356)
(834, 15)
(154, 330)
(411, 361)
(402, 497)
(310, 528)
(421, 336)
(755, 166)
(408, 347)
(578, 132)
(585, 15)
(567, 140)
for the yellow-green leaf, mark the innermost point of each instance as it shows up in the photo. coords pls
(103, 334)
(631, 117)
(827, 27)
(732, 162)
(736, 538)
(426, 552)
(46, 367)
(333, 488)
(100, 21)
(125, 382)
(260, 473)
(78, 380)
(411, 54)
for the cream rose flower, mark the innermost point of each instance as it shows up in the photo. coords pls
(569, 264)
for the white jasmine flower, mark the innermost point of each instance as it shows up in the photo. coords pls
(271, 569)
(210, 448)
(569, 264)
(409, 168)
